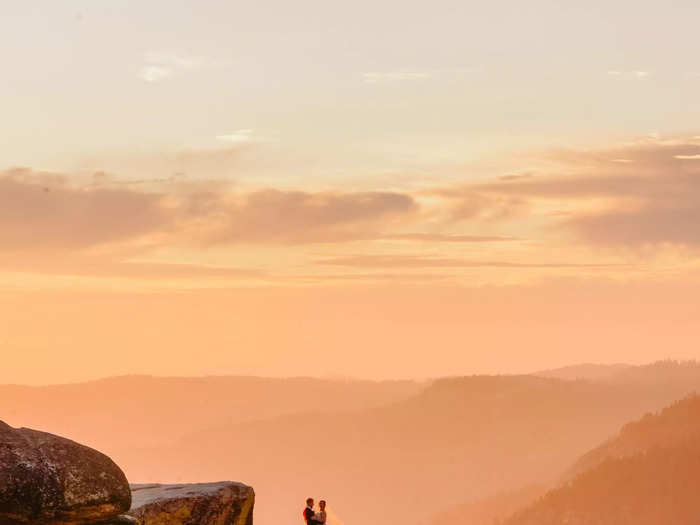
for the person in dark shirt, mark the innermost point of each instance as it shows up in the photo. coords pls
(309, 515)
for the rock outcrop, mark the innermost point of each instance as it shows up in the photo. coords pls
(222, 503)
(49, 479)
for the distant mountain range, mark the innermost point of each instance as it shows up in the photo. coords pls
(588, 371)
(144, 410)
(684, 374)
(474, 435)
(386, 452)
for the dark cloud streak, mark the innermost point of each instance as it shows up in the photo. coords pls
(419, 261)
(651, 191)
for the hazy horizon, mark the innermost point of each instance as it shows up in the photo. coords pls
(350, 379)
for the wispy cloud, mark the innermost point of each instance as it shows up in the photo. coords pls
(652, 198)
(106, 266)
(516, 176)
(237, 137)
(64, 217)
(159, 65)
(152, 73)
(639, 73)
(420, 261)
(436, 237)
(399, 75)
(291, 217)
(41, 212)
(375, 77)
(391, 276)
(590, 199)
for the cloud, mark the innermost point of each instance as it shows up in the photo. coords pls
(152, 73)
(176, 61)
(298, 217)
(402, 75)
(51, 224)
(160, 65)
(516, 176)
(586, 198)
(375, 276)
(104, 266)
(238, 136)
(476, 204)
(639, 73)
(375, 77)
(420, 261)
(436, 237)
(44, 212)
(652, 198)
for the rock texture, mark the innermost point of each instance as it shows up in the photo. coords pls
(223, 503)
(119, 520)
(49, 479)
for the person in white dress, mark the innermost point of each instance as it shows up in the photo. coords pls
(320, 516)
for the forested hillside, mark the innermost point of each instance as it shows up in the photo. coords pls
(648, 475)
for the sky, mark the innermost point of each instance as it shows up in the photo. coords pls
(366, 189)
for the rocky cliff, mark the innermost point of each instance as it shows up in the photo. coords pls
(49, 480)
(223, 503)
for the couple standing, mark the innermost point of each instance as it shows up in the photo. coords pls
(315, 518)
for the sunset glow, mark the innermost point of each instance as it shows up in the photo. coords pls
(262, 166)
(424, 259)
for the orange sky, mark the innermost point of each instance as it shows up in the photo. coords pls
(256, 190)
(375, 331)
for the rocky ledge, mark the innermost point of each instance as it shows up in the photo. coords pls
(222, 503)
(50, 480)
